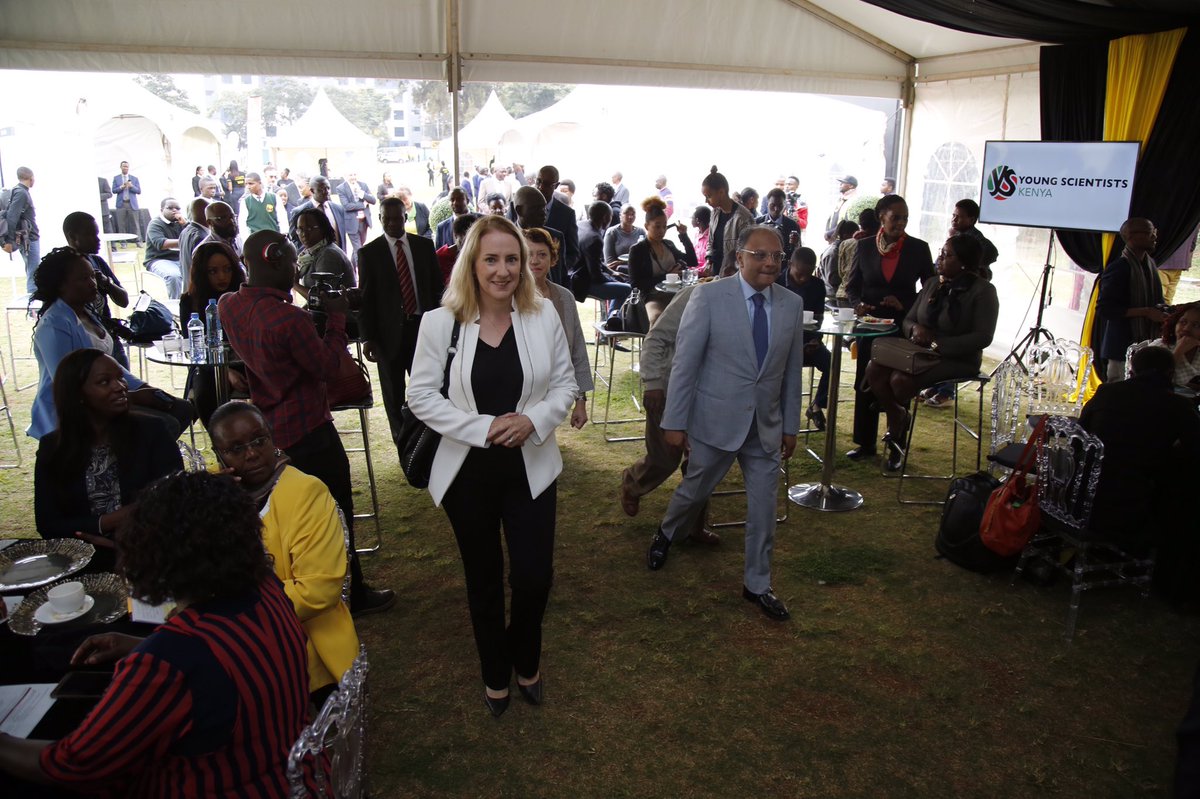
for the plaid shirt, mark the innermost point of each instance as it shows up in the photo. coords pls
(286, 363)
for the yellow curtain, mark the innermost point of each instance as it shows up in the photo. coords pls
(1138, 70)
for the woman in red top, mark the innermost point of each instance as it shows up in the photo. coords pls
(882, 282)
(211, 702)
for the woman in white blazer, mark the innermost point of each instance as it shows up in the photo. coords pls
(511, 384)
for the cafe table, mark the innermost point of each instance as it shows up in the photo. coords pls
(218, 359)
(824, 495)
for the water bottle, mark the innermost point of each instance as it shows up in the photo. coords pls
(212, 324)
(195, 331)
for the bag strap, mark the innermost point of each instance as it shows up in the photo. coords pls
(453, 348)
(1029, 454)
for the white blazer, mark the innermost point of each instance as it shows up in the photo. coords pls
(548, 391)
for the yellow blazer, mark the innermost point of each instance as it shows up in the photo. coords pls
(303, 534)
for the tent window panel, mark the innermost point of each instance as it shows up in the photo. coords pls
(952, 174)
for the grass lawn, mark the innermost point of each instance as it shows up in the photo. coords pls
(899, 675)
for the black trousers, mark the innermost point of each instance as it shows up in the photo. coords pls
(392, 370)
(321, 454)
(866, 415)
(492, 492)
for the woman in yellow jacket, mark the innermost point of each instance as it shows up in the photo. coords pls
(302, 532)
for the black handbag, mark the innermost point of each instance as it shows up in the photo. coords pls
(150, 320)
(634, 318)
(418, 442)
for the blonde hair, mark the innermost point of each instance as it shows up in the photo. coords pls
(537, 235)
(462, 292)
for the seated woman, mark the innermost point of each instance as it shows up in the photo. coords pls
(1181, 335)
(218, 694)
(90, 469)
(66, 286)
(302, 531)
(653, 258)
(952, 321)
(543, 254)
(803, 281)
(214, 271)
(620, 237)
(321, 252)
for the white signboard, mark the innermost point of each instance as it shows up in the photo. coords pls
(1067, 185)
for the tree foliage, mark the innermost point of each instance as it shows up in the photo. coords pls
(519, 99)
(163, 86)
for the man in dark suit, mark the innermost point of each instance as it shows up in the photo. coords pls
(459, 205)
(559, 216)
(355, 197)
(320, 199)
(591, 250)
(399, 278)
(1131, 296)
(418, 212)
(529, 211)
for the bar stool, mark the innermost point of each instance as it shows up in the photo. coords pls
(959, 424)
(363, 431)
(12, 428)
(606, 341)
(741, 492)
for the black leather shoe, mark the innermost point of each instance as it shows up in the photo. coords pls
(373, 601)
(532, 693)
(656, 556)
(861, 453)
(496, 706)
(816, 416)
(771, 605)
(895, 456)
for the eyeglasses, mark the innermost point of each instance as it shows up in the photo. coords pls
(763, 255)
(238, 450)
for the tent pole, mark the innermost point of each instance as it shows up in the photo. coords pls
(453, 79)
(908, 102)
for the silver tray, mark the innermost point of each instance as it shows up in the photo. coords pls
(112, 602)
(29, 564)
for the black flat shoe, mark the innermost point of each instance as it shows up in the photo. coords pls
(532, 693)
(656, 556)
(861, 453)
(895, 455)
(816, 416)
(373, 601)
(496, 706)
(771, 605)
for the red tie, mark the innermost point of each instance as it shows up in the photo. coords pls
(407, 291)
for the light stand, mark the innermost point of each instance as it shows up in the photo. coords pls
(1037, 332)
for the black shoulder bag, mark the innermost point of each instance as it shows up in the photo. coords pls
(418, 442)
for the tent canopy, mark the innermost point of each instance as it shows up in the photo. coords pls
(322, 125)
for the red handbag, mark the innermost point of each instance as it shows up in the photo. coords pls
(1012, 514)
(350, 384)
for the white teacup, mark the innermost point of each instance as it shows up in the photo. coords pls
(844, 314)
(672, 278)
(66, 598)
(809, 317)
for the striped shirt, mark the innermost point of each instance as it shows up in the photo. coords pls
(208, 706)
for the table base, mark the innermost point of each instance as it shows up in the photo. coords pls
(819, 496)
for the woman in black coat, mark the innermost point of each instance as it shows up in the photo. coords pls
(90, 469)
(882, 282)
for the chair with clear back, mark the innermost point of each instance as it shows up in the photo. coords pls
(1069, 464)
(329, 758)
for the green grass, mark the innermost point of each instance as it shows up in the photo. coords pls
(899, 675)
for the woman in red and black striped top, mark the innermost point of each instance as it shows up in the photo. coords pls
(210, 703)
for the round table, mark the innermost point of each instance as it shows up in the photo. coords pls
(824, 495)
(217, 359)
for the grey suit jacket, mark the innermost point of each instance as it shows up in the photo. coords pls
(716, 390)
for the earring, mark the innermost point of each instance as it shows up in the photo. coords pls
(278, 452)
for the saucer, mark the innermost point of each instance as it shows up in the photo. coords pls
(46, 615)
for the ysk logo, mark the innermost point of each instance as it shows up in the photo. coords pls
(1002, 182)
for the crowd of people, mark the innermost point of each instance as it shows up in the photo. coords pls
(477, 335)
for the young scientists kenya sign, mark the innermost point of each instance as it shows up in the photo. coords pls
(1066, 185)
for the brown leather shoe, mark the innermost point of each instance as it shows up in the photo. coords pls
(702, 536)
(629, 503)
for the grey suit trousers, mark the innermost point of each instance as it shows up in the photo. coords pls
(707, 466)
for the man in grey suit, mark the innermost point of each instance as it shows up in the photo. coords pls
(735, 393)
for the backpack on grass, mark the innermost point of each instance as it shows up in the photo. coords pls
(958, 535)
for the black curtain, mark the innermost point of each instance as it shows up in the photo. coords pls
(1073, 82)
(1167, 188)
(1059, 21)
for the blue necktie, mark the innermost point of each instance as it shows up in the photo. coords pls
(759, 328)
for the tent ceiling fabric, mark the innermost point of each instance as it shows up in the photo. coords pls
(820, 46)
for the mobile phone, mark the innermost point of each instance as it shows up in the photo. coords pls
(82, 685)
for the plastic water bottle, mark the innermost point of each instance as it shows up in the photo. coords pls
(212, 324)
(195, 331)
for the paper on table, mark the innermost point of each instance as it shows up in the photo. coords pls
(149, 614)
(23, 706)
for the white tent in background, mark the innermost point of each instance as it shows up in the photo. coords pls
(484, 131)
(322, 132)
